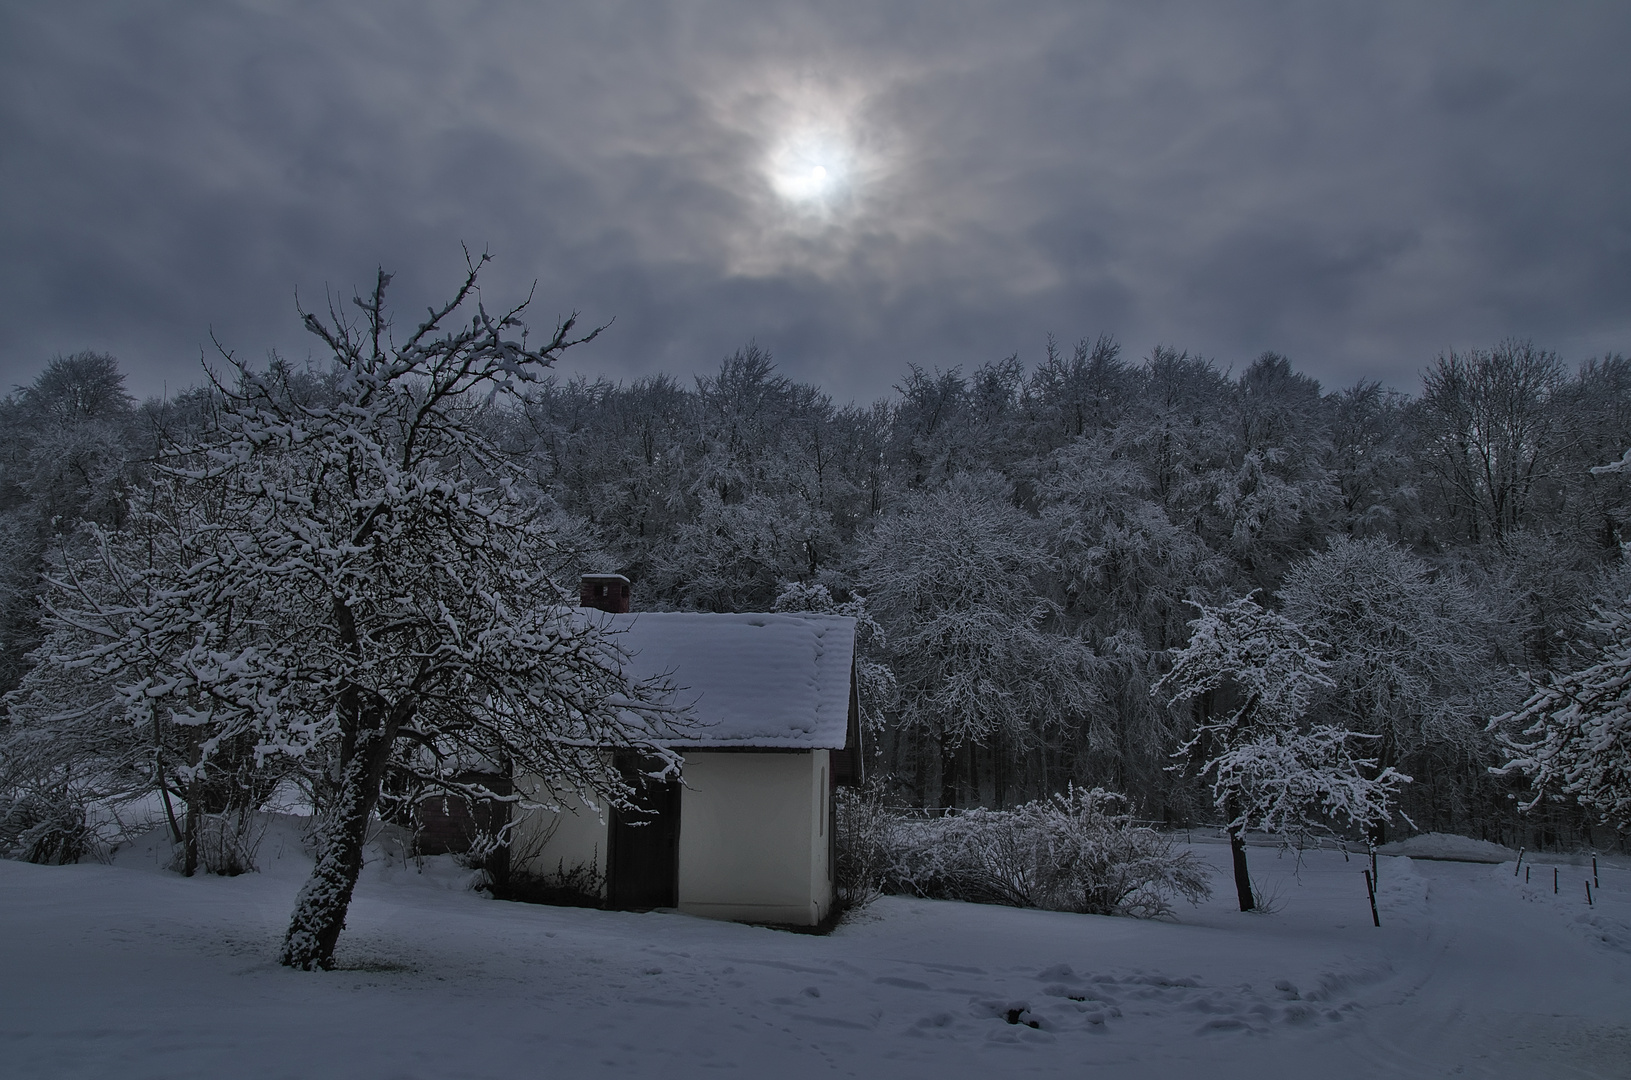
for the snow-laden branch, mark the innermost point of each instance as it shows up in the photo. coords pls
(341, 576)
(1572, 736)
(1256, 675)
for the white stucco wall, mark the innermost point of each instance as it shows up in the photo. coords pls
(753, 843)
(550, 844)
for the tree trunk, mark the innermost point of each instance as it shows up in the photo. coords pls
(169, 810)
(319, 913)
(1386, 756)
(968, 777)
(948, 776)
(928, 768)
(1001, 762)
(189, 839)
(1243, 877)
(164, 785)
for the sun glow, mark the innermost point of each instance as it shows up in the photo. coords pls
(820, 174)
(810, 169)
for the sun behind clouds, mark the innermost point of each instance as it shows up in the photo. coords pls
(819, 181)
(811, 169)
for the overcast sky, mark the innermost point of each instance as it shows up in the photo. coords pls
(857, 186)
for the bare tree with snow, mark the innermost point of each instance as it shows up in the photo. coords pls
(1254, 675)
(1491, 424)
(341, 575)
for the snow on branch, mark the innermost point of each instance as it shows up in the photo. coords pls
(1572, 736)
(1275, 666)
(1267, 768)
(347, 569)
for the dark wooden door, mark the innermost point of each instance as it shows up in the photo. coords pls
(645, 846)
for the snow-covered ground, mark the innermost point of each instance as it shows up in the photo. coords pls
(124, 971)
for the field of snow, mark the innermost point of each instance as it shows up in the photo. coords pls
(126, 971)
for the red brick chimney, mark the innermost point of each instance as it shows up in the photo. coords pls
(606, 592)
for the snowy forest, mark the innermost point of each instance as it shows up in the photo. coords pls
(1029, 546)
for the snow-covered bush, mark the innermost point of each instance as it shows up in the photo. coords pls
(44, 829)
(580, 884)
(228, 841)
(1078, 851)
(865, 829)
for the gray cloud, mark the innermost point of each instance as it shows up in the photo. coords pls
(1357, 187)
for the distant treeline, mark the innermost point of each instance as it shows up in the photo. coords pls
(1026, 545)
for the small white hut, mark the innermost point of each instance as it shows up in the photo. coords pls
(747, 834)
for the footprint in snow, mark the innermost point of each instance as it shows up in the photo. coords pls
(1228, 1025)
(1078, 993)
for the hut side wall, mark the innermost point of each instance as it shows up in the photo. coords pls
(753, 837)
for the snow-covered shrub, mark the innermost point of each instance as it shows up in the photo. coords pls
(227, 841)
(44, 829)
(577, 885)
(865, 830)
(1077, 851)
(489, 859)
(514, 861)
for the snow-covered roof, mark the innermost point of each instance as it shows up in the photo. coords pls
(752, 680)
